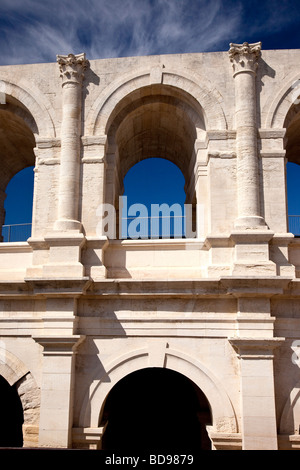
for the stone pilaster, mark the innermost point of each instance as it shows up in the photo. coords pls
(57, 389)
(259, 429)
(71, 69)
(244, 58)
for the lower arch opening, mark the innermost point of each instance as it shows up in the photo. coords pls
(11, 415)
(156, 409)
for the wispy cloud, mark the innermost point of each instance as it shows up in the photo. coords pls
(36, 30)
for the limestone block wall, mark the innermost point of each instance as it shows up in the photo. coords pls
(81, 310)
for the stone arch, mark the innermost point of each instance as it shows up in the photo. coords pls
(276, 113)
(25, 117)
(290, 418)
(159, 355)
(283, 117)
(11, 368)
(32, 103)
(15, 372)
(157, 113)
(162, 409)
(193, 84)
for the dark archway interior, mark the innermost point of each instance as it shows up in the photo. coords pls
(156, 409)
(157, 121)
(11, 416)
(17, 143)
(292, 146)
(292, 136)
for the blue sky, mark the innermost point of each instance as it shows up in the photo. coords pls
(36, 30)
(33, 31)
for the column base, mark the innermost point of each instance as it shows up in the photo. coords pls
(87, 438)
(252, 254)
(223, 440)
(220, 255)
(63, 225)
(64, 255)
(93, 258)
(250, 223)
(254, 269)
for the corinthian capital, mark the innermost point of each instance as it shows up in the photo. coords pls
(72, 67)
(244, 57)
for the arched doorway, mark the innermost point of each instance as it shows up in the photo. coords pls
(11, 416)
(156, 409)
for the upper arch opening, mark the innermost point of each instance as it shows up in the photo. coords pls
(17, 143)
(292, 136)
(292, 146)
(158, 121)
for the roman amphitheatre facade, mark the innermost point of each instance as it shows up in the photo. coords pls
(146, 343)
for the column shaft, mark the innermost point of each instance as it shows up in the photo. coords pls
(71, 68)
(70, 151)
(246, 142)
(244, 58)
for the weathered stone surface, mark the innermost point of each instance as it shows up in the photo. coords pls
(80, 310)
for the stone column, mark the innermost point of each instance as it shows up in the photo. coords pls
(71, 68)
(244, 58)
(66, 240)
(57, 390)
(258, 413)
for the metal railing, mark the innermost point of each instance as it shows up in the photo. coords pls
(172, 226)
(21, 232)
(294, 225)
(16, 232)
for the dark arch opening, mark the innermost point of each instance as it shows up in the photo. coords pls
(154, 183)
(17, 143)
(156, 409)
(11, 416)
(292, 146)
(18, 206)
(154, 122)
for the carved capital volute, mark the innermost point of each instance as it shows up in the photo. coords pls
(72, 67)
(244, 57)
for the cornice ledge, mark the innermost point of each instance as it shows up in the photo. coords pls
(156, 288)
(47, 142)
(68, 287)
(15, 288)
(59, 344)
(94, 140)
(271, 133)
(255, 286)
(247, 346)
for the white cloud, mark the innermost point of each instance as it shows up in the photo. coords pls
(36, 30)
